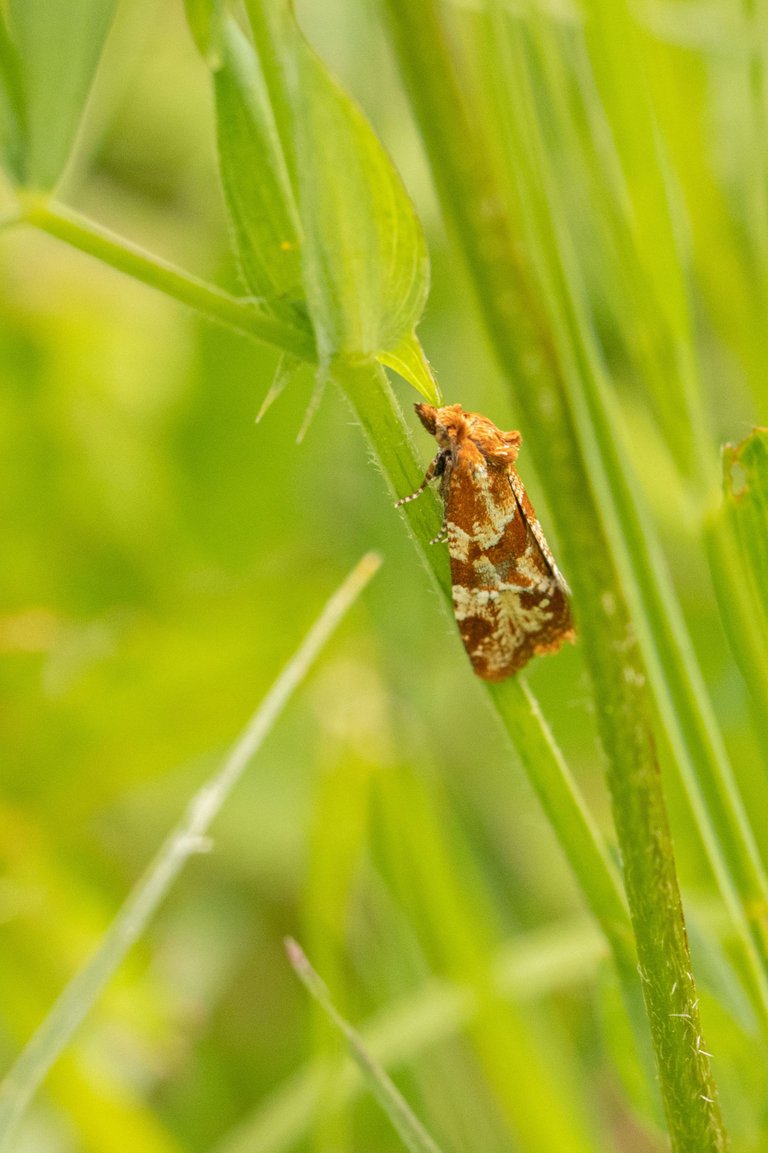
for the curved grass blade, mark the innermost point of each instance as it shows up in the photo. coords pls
(411, 1131)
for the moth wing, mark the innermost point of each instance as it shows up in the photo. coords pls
(534, 528)
(509, 597)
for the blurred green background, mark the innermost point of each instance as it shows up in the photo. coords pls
(162, 556)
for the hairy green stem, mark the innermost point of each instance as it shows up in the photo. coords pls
(122, 254)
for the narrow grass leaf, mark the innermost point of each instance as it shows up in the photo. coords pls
(187, 838)
(436, 880)
(745, 484)
(338, 839)
(621, 62)
(59, 44)
(411, 1131)
(257, 189)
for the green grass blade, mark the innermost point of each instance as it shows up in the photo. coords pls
(411, 1131)
(745, 486)
(434, 880)
(187, 838)
(543, 962)
(206, 23)
(59, 44)
(619, 59)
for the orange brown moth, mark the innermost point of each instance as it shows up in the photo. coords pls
(509, 597)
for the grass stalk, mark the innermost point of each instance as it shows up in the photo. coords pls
(545, 961)
(410, 1130)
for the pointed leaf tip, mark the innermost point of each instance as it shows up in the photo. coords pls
(409, 361)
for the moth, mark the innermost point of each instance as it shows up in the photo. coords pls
(509, 597)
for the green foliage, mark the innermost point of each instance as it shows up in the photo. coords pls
(602, 181)
(47, 77)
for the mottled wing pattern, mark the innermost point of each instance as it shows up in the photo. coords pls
(508, 597)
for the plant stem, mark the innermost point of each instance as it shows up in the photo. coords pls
(127, 257)
(407, 1125)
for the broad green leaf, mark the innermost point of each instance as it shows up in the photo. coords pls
(738, 553)
(365, 258)
(265, 224)
(59, 44)
(12, 110)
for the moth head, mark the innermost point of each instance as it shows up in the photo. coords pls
(447, 424)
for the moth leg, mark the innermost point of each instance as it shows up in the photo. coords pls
(442, 536)
(436, 468)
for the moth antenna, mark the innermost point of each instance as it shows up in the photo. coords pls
(428, 476)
